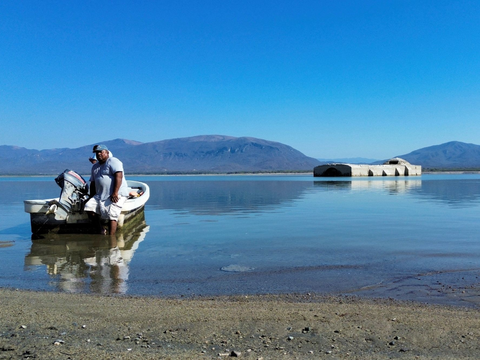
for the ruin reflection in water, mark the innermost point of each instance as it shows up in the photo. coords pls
(391, 186)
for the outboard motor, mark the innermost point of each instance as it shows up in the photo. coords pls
(74, 194)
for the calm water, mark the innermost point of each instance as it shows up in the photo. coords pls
(407, 238)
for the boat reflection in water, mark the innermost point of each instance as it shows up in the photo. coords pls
(88, 263)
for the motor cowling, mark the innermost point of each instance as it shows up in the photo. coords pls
(74, 192)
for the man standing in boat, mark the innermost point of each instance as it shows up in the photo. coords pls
(108, 189)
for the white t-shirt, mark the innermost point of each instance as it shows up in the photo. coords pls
(104, 174)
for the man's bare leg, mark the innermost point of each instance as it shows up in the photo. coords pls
(113, 227)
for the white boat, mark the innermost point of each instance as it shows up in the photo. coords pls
(65, 214)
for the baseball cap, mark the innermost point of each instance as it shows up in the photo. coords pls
(98, 148)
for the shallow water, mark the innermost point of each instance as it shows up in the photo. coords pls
(408, 238)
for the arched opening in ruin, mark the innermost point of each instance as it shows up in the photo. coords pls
(332, 172)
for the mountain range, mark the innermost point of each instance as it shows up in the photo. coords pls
(211, 154)
(453, 155)
(199, 154)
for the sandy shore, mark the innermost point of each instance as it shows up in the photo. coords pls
(65, 326)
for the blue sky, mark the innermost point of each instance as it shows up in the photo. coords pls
(370, 78)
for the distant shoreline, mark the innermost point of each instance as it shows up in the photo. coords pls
(453, 172)
(287, 173)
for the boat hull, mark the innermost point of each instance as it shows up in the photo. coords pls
(43, 222)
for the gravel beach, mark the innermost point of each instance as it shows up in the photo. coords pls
(43, 325)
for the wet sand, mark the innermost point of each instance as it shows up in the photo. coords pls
(44, 325)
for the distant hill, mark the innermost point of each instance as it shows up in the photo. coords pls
(452, 155)
(199, 154)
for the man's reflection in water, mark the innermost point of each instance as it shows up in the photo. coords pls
(108, 269)
(87, 263)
